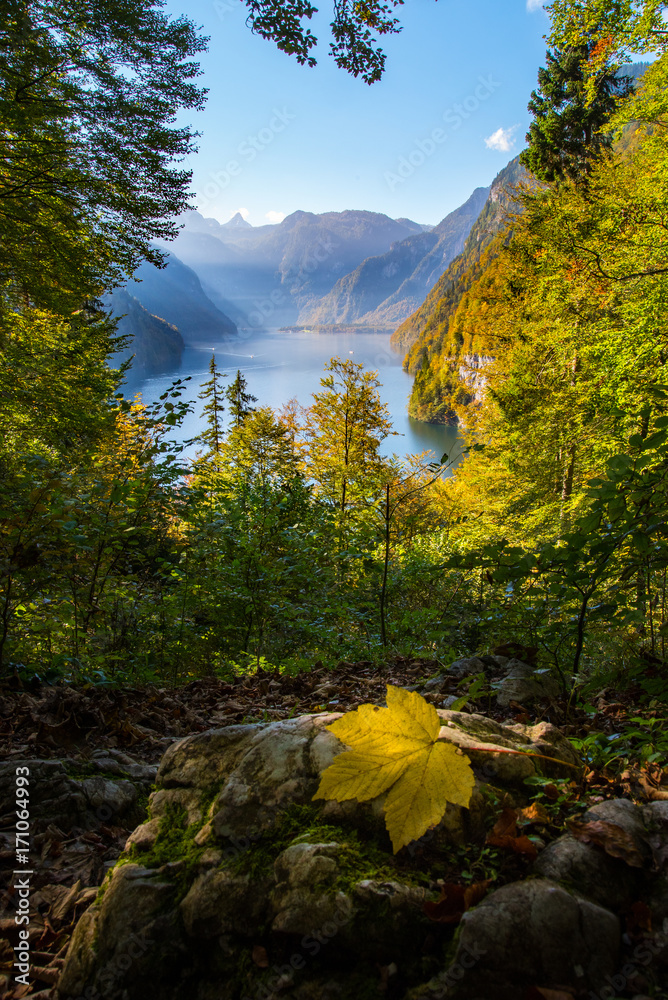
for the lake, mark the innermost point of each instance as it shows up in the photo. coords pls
(279, 366)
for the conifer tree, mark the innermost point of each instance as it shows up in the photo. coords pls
(239, 400)
(213, 411)
(565, 136)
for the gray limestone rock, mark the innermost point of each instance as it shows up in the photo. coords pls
(303, 899)
(466, 667)
(219, 902)
(531, 933)
(118, 797)
(589, 870)
(129, 941)
(524, 684)
(233, 787)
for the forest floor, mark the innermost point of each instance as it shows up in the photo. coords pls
(137, 724)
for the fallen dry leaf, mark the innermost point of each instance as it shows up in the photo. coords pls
(454, 901)
(260, 957)
(639, 918)
(48, 975)
(535, 813)
(614, 840)
(20, 991)
(504, 835)
(541, 993)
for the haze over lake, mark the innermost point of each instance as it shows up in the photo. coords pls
(279, 366)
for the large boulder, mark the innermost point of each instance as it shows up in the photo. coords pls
(238, 881)
(523, 684)
(529, 934)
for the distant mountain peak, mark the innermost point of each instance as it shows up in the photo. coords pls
(237, 222)
(416, 227)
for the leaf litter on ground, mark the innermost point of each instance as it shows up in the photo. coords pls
(74, 721)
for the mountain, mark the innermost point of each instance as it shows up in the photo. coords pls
(163, 310)
(273, 274)
(236, 222)
(175, 294)
(435, 353)
(415, 226)
(385, 290)
(155, 344)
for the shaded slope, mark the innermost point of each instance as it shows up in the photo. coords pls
(175, 293)
(383, 290)
(273, 273)
(155, 344)
(434, 349)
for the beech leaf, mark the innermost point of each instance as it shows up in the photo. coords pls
(396, 750)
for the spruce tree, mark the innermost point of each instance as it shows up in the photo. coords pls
(239, 400)
(565, 137)
(213, 411)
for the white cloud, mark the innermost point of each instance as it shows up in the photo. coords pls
(275, 216)
(534, 5)
(243, 212)
(502, 139)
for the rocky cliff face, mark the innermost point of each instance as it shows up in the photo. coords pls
(471, 373)
(438, 354)
(436, 310)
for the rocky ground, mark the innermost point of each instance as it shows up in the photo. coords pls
(99, 750)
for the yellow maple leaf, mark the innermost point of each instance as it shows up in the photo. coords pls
(396, 750)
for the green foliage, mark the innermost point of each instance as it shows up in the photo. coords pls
(621, 27)
(88, 97)
(239, 400)
(174, 845)
(566, 134)
(353, 48)
(291, 539)
(345, 427)
(556, 516)
(641, 740)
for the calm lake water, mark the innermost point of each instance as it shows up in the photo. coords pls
(279, 366)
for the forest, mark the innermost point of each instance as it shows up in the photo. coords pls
(280, 566)
(290, 540)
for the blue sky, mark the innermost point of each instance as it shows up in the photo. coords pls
(446, 117)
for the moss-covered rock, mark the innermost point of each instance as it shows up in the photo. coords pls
(241, 884)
